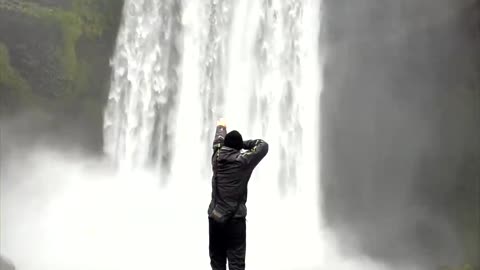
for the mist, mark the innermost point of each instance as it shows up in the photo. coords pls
(370, 107)
(66, 209)
(400, 125)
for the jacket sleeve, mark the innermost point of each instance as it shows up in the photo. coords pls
(256, 151)
(219, 138)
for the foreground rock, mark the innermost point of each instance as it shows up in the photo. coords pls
(5, 264)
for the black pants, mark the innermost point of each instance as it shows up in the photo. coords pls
(227, 241)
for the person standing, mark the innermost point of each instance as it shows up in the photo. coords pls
(232, 168)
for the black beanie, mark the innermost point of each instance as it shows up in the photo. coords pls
(234, 140)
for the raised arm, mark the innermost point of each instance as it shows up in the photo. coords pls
(220, 133)
(256, 151)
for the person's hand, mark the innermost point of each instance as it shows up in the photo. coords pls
(221, 122)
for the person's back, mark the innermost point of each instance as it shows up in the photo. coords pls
(232, 169)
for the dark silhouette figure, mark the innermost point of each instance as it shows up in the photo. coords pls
(232, 169)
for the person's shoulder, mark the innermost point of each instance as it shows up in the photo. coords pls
(243, 156)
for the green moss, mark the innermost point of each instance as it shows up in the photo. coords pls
(9, 77)
(84, 19)
(463, 267)
(470, 237)
(93, 22)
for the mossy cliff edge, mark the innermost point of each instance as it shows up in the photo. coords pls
(54, 58)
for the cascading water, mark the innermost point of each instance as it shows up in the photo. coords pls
(144, 84)
(178, 66)
(254, 62)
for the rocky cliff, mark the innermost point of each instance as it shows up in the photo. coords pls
(401, 125)
(54, 65)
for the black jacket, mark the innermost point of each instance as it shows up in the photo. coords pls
(232, 170)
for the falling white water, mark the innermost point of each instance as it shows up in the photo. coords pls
(177, 67)
(180, 66)
(256, 63)
(144, 85)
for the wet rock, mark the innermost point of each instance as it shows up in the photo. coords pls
(6, 264)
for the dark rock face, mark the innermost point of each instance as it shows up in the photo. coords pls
(32, 45)
(5, 265)
(56, 56)
(55, 3)
(401, 122)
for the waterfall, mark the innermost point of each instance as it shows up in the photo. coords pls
(257, 63)
(177, 68)
(144, 85)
